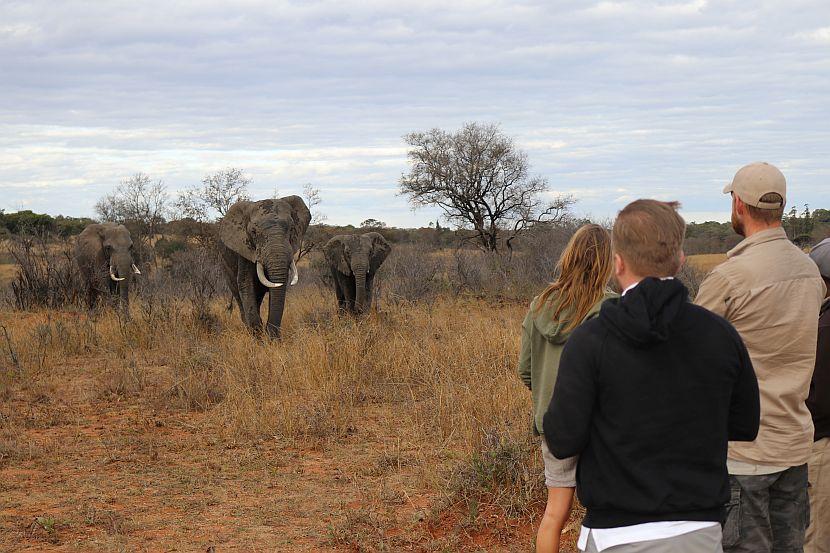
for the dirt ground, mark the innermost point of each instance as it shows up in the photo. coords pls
(97, 455)
(86, 465)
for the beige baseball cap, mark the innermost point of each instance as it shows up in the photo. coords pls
(752, 181)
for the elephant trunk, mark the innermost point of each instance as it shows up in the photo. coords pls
(276, 267)
(121, 269)
(360, 269)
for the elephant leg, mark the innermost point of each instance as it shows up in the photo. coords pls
(229, 266)
(349, 291)
(338, 289)
(91, 296)
(261, 292)
(249, 295)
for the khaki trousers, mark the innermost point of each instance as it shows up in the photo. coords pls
(707, 540)
(818, 533)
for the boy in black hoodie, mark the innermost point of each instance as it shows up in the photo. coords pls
(648, 395)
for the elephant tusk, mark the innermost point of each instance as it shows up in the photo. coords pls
(260, 272)
(115, 278)
(293, 275)
(135, 269)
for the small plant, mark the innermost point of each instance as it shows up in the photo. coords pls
(504, 473)
(48, 526)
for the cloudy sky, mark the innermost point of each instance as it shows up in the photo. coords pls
(612, 100)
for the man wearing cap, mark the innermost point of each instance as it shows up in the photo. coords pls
(771, 293)
(818, 534)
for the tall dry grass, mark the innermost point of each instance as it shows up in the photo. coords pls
(444, 370)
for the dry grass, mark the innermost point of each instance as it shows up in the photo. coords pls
(407, 430)
(706, 261)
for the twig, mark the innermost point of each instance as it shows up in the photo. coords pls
(11, 349)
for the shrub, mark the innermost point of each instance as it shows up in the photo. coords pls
(46, 276)
(199, 277)
(692, 277)
(166, 247)
(410, 274)
(503, 473)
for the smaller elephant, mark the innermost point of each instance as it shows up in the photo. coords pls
(104, 254)
(354, 260)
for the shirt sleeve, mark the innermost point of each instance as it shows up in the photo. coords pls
(524, 353)
(715, 294)
(567, 421)
(745, 407)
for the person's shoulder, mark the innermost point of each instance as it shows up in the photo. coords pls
(591, 330)
(702, 316)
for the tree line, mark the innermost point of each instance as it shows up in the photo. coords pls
(477, 176)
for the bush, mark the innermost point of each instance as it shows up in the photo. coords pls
(46, 276)
(199, 275)
(195, 276)
(691, 277)
(165, 247)
(410, 274)
(504, 473)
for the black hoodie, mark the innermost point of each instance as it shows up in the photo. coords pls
(648, 395)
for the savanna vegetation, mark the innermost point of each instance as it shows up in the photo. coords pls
(176, 429)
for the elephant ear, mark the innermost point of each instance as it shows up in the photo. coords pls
(90, 241)
(233, 229)
(335, 252)
(301, 217)
(380, 249)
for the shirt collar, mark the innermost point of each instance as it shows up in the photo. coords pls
(768, 235)
(638, 282)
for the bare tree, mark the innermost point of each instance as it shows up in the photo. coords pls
(217, 193)
(481, 181)
(314, 236)
(139, 203)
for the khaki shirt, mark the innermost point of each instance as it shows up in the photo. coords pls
(771, 292)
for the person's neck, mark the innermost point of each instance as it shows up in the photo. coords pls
(626, 281)
(754, 227)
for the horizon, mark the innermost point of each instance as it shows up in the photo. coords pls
(611, 101)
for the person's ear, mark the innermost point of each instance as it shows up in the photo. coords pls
(682, 260)
(740, 206)
(619, 265)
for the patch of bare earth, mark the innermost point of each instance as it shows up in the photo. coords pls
(98, 457)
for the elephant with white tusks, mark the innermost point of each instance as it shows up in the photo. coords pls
(104, 254)
(354, 260)
(259, 241)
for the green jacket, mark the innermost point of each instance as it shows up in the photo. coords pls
(543, 340)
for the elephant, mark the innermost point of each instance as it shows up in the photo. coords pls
(354, 260)
(104, 254)
(258, 243)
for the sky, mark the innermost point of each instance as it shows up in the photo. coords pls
(611, 100)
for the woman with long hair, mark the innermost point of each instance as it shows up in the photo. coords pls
(581, 285)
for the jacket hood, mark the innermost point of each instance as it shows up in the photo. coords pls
(644, 315)
(552, 329)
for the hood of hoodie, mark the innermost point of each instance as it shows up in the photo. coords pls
(644, 315)
(555, 331)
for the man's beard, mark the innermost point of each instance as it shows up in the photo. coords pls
(737, 225)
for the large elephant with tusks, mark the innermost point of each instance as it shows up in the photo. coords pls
(354, 260)
(258, 242)
(104, 254)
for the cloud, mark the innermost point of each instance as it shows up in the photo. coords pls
(819, 36)
(653, 97)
